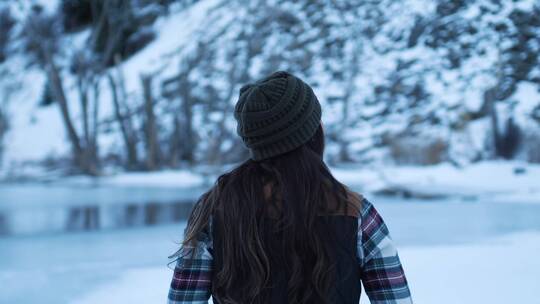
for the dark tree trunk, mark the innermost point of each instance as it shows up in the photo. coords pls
(174, 151)
(126, 127)
(150, 128)
(188, 146)
(82, 160)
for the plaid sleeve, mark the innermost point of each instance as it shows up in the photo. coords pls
(192, 278)
(382, 274)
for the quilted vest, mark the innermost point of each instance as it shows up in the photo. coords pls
(342, 239)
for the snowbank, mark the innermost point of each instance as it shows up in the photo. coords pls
(144, 285)
(497, 180)
(166, 178)
(501, 270)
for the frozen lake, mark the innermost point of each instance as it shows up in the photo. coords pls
(52, 267)
(31, 209)
(52, 208)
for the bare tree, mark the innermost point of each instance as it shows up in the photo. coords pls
(179, 88)
(4, 125)
(350, 88)
(123, 117)
(505, 135)
(110, 21)
(240, 56)
(41, 35)
(87, 75)
(120, 28)
(153, 157)
(7, 23)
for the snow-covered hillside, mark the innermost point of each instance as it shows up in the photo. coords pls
(406, 82)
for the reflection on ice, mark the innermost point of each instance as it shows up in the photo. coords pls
(34, 209)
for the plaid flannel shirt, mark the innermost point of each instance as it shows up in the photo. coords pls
(381, 271)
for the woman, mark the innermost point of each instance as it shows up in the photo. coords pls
(280, 228)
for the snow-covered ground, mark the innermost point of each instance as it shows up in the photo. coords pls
(500, 270)
(453, 252)
(493, 180)
(488, 180)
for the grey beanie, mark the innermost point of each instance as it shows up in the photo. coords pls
(276, 115)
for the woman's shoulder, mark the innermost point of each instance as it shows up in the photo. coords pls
(364, 205)
(355, 202)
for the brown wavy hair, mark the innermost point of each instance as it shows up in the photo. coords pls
(290, 191)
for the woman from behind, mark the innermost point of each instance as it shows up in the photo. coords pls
(280, 228)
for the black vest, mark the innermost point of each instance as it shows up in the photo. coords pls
(342, 236)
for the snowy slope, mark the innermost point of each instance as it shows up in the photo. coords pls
(408, 91)
(38, 132)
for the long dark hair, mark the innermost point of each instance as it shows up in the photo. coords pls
(291, 190)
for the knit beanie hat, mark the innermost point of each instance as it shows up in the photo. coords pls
(276, 115)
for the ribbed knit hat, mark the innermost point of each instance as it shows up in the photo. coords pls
(276, 115)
